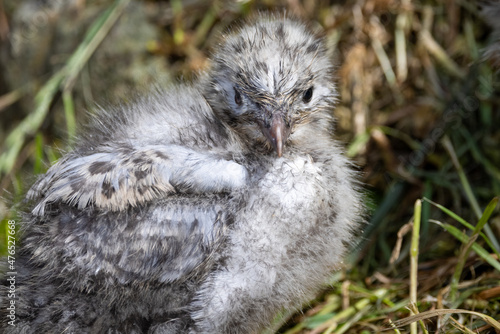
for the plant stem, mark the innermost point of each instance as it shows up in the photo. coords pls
(414, 260)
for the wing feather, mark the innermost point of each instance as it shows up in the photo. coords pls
(115, 179)
(163, 242)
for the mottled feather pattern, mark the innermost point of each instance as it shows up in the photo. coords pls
(273, 62)
(121, 171)
(114, 180)
(196, 209)
(156, 249)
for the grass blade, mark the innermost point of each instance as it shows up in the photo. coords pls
(69, 113)
(475, 247)
(486, 215)
(465, 223)
(451, 214)
(468, 190)
(414, 260)
(434, 313)
(65, 76)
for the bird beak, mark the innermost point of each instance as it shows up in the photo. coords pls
(277, 133)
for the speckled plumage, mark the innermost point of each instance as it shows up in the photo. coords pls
(177, 216)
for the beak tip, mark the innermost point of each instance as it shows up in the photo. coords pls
(279, 150)
(276, 134)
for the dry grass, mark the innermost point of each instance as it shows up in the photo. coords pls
(420, 112)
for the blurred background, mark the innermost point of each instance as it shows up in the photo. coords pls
(418, 114)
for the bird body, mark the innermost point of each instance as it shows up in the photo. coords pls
(117, 259)
(287, 239)
(174, 215)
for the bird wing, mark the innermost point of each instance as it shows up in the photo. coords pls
(166, 241)
(115, 178)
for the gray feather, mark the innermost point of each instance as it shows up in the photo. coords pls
(118, 178)
(174, 215)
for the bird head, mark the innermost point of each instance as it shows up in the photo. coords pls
(272, 81)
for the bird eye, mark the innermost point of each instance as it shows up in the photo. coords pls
(237, 97)
(308, 94)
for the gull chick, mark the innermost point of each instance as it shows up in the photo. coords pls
(205, 208)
